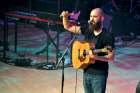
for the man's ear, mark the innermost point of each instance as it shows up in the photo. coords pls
(102, 18)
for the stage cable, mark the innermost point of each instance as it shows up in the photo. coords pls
(76, 81)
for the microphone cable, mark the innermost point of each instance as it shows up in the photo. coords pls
(76, 80)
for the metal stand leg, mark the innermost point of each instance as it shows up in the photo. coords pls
(16, 29)
(5, 38)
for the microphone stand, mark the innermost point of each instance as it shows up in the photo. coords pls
(62, 59)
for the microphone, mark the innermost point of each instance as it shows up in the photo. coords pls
(89, 21)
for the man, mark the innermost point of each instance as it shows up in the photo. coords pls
(95, 75)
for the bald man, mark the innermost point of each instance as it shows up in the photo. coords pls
(95, 74)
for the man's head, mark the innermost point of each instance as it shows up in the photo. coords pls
(97, 17)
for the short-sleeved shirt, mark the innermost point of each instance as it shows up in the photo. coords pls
(105, 38)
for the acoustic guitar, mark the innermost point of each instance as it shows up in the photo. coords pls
(82, 52)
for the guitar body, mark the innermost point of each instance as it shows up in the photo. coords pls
(78, 48)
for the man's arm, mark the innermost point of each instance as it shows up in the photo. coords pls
(67, 25)
(109, 42)
(108, 57)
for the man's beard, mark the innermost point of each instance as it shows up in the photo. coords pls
(95, 26)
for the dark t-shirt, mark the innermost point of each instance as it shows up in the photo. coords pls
(104, 39)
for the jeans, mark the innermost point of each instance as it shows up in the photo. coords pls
(94, 83)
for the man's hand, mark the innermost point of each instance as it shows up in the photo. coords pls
(64, 14)
(67, 24)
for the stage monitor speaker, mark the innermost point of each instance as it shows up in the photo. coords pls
(22, 62)
(46, 66)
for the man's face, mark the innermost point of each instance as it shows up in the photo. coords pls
(95, 16)
(96, 19)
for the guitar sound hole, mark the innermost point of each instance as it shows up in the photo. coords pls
(84, 53)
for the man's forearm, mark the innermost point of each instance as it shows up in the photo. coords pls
(66, 22)
(104, 58)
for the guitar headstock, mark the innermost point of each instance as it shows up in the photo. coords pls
(107, 49)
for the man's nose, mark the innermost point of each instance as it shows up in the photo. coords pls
(91, 20)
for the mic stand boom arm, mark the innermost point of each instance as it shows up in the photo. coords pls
(64, 53)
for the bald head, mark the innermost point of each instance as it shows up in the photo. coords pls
(96, 15)
(98, 11)
(96, 18)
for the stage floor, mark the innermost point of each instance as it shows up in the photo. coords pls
(124, 75)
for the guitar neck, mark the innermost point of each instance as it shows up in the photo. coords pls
(92, 51)
(95, 51)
